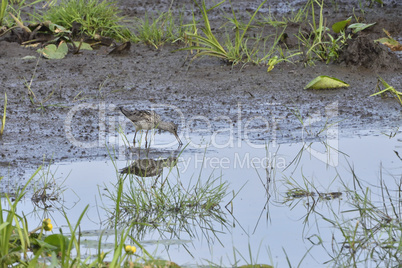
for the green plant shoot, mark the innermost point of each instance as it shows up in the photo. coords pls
(397, 95)
(3, 121)
(3, 7)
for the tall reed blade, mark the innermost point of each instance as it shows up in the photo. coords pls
(3, 121)
(3, 7)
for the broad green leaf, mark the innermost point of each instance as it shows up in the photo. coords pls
(323, 81)
(391, 43)
(53, 52)
(339, 26)
(29, 58)
(56, 240)
(57, 28)
(84, 46)
(387, 40)
(360, 26)
(45, 245)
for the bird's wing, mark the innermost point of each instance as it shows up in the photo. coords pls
(148, 117)
(141, 115)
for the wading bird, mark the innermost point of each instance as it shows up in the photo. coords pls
(147, 120)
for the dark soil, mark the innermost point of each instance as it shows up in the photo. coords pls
(146, 77)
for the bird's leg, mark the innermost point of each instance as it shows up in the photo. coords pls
(178, 139)
(135, 135)
(180, 142)
(146, 138)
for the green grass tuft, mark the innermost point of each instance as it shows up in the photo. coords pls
(97, 18)
(159, 30)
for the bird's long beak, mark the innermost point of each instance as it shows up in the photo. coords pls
(178, 139)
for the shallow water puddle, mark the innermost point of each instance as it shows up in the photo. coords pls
(281, 198)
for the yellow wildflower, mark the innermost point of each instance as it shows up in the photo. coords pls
(48, 227)
(130, 249)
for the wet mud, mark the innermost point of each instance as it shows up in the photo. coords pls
(75, 98)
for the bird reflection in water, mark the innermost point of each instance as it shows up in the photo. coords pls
(149, 167)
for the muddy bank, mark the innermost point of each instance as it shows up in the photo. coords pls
(238, 97)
